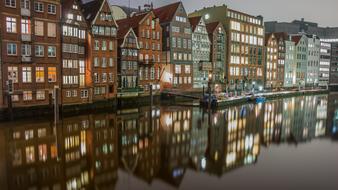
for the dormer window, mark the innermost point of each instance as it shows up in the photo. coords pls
(70, 16)
(79, 18)
(75, 7)
(103, 16)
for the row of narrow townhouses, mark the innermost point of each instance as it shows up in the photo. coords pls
(78, 49)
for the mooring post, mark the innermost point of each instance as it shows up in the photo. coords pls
(10, 107)
(56, 105)
(151, 95)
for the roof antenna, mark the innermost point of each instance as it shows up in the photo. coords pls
(129, 8)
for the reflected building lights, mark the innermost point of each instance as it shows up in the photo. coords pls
(86, 151)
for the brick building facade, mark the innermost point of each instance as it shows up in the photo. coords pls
(176, 46)
(149, 34)
(102, 49)
(75, 74)
(30, 51)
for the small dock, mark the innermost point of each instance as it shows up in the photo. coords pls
(231, 101)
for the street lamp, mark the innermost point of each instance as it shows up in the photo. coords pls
(271, 85)
(209, 90)
(253, 87)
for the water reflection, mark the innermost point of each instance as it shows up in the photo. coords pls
(86, 152)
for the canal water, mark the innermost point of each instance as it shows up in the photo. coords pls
(283, 144)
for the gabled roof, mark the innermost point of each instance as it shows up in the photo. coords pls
(296, 38)
(121, 32)
(267, 37)
(281, 35)
(166, 13)
(211, 27)
(67, 6)
(92, 9)
(132, 22)
(194, 21)
(121, 36)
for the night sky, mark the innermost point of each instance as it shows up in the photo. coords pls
(324, 12)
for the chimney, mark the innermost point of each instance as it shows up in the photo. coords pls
(139, 8)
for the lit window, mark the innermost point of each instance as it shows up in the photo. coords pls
(51, 74)
(51, 51)
(40, 95)
(27, 95)
(25, 26)
(30, 155)
(40, 74)
(51, 30)
(70, 16)
(39, 31)
(11, 24)
(43, 152)
(26, 74)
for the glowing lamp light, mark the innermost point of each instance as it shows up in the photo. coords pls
(260, 88)
(203, 163)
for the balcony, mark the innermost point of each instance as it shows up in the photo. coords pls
(26, 59)
(25, 12)
(26, 37)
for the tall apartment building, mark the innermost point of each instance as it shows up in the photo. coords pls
(217, 37)
(176, 46)
(102, 49)
(30, 53)
(312, 72)
(326, 34)
(301, 57)
(334, 67)
(149, 34)
(245, 42)
(128, 70)
(285, 62)
(271, 70)
(290, 69)
(75, 66)
(324, 63)
(307, 58)
(200, 52)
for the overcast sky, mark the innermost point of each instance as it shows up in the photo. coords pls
(324, 12)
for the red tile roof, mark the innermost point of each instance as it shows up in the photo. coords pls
(121, 32)
(132, 22)
(166, 13)
(212, 26)
(194, 21)
(267, 37)
(296, 39)
(281, 35)
(91, 9)
(67, 6)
